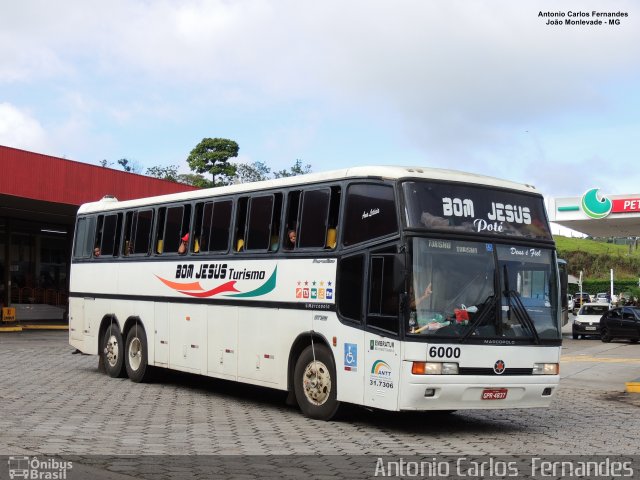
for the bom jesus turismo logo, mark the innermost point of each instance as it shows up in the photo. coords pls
(227, 281)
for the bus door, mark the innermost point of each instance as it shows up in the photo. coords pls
(382, 346)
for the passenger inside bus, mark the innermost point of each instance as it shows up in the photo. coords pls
(416, 302)
(291, 234)
(96, 252)
(182, 249)
(332, 235)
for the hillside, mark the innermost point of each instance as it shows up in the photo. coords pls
(595, 258)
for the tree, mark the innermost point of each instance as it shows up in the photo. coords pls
(252, 172)
(104, 163)
(170, 172)
(212, 156)
(296, 169)
(130, 166)
(194, 179)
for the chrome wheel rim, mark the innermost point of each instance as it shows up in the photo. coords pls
(112, 351)
(135, 353)
(316, 383)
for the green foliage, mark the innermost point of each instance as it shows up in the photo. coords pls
(129, 165)
(170, 172)
(296, 169)
(596, 286)
(252, 172)
(194, 179)
(566, 244)
(212, 156)
(596, 259)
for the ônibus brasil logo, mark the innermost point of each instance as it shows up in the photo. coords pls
(596, 205)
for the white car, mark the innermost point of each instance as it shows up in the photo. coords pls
(587, 321)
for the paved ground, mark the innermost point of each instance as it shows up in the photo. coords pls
(57, 403)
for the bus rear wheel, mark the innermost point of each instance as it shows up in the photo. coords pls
(136, 354)
(112, 352)
(315, 383)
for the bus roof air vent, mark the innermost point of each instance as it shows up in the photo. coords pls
(109, 198)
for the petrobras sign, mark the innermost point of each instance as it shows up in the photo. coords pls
(596, 205)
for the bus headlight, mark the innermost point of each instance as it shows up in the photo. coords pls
(546, 369)
(434, 368)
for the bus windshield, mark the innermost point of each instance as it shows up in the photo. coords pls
(478, 290)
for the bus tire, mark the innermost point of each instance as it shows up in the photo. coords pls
(136, 360)
(112, 352)
(315, 383)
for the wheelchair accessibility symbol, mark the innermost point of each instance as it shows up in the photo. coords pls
(351, 357)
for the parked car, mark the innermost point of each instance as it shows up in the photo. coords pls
(603, 297)
(587, 321)
(621, 322)
(579, 299)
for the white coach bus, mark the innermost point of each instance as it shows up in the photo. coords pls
(391, 287)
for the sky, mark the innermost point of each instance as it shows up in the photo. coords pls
(483, 86)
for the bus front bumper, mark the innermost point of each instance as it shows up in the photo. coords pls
(457, 392)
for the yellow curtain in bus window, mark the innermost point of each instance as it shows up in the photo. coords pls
(8, 314)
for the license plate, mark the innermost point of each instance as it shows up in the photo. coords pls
(589, 328)
(494, 394)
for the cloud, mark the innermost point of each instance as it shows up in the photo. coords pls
(18, 129)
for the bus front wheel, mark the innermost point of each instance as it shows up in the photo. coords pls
(112, 351)
(315, 383)
(136, 353)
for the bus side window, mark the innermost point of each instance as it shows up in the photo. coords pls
(98, 238)
(137, 232)
(241, 219)
(220, 226)
(350, 287)
(291, 220)
(370, 213)
(275, 223)
(173, 229)
(258, 236)
(127, 234)
(110, 231)
(172, 226)
(202, 227)
(162, 214)
(83, 243)
(313, 218)
(142, 236)
(332, 223)
(383, 301)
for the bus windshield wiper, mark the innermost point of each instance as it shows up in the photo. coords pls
(481, 315)
(519, 309)
(521, 313)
